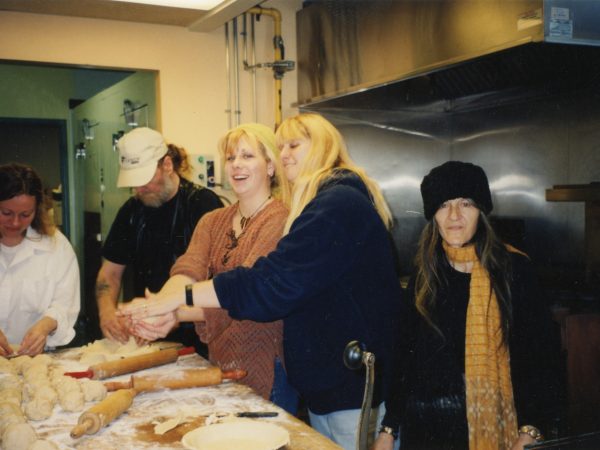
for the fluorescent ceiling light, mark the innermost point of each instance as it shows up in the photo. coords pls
(204, 5)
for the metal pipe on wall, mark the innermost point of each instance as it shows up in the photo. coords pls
(278, 53)
(228, 75)
(236, 73)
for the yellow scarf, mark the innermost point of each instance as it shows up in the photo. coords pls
(490, 406)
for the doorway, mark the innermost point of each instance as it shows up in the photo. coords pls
(41, 144)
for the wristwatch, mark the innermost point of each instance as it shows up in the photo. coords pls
(389, 430)
(532, 431)
(189, 294)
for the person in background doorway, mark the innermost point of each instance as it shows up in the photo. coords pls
(331, 279)
(152, 228)
(39, 275)
(478, 368)
(237, 236)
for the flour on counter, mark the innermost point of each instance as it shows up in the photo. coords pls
(135, 428)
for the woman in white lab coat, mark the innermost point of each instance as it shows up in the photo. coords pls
(39, 275)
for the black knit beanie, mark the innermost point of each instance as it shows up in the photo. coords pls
(455, 179)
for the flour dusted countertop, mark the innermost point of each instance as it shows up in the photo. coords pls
(135, 429)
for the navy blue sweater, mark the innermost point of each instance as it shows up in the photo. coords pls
(332, 280)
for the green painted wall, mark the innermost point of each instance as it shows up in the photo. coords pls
(97, 173)
(35, 91)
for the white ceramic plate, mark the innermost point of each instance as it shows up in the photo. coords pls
(236, 435)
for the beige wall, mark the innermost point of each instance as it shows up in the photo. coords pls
(192, 88)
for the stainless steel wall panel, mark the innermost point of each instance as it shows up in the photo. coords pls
(525, 149)
(345, 46)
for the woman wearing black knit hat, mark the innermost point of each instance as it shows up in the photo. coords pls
(477, 371)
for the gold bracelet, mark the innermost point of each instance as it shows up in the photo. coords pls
(532, 431)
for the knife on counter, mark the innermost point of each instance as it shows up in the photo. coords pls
(255, 414)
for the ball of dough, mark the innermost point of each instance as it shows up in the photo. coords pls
(43, 359)
(6, 366)
(38, 409)
(42, 444)
(35, 371)
(72, 400)
(9, 414)
(18, 436)
(9, 380)
(66, 384)
(47, 392)
(21, 362)
(12, 395)
(93, 390)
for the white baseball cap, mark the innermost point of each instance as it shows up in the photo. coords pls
(139, 152)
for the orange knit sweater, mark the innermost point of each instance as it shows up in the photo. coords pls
(236, 344)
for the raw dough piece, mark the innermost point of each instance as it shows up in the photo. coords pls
(9, 380)
(9, 414)
(43, 359)
(89, 359)
(38, 409)
(20, 362)
(18, 436)
(93, 390)
(111, 350)
(72, 400)
(46, 392)
(65, 383)
(237, 434)
(42, 444)
(6, 366)
(163, 427)
(12, 395)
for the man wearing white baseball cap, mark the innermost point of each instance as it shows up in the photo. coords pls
(152, 228)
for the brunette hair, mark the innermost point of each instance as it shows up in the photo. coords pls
(431, 258)
(19, 179)
(326, 155)
(179, 156)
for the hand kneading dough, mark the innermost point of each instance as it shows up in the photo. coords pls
(42, 444)
(93, 390)
(236, 435)
(18, 436)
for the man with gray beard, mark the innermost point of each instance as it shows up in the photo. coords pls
(152, 229)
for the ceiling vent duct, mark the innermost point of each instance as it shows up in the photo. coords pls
(408, 53)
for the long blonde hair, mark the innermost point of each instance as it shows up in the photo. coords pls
(326, 154)
(262, 138)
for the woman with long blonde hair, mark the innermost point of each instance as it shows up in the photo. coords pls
(331, 279)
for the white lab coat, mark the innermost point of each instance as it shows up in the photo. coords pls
(41, 280)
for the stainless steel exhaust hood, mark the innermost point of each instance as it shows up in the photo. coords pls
(415, 52)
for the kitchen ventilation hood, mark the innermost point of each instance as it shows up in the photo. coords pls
(398, 54)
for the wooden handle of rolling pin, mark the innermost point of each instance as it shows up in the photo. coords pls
(101, 414)
(130, 364)
(182, 379)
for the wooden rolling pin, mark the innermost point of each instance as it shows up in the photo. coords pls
(101, 414)
(104, 412)
(131, 364)
(181, 379)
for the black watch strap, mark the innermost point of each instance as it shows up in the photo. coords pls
(189, 294)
